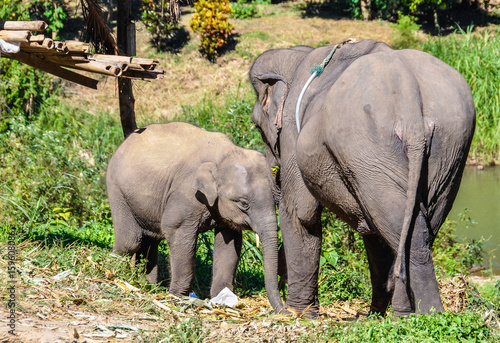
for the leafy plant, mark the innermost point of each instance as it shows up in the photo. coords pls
(51, 12)
(405, 36)
(343, 263)
(439, 327)
(211, 22)
(243, 9)
(161, 18)
(24, 90)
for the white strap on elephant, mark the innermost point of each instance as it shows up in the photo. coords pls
(316, 71)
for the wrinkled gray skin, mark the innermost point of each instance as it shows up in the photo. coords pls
(174, 181)
(383, 143)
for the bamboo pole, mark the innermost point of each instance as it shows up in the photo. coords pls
(47, 44)
(143, 74)
(15, 36)
(53, 69)
(76, 46)
(94, 67)
(23, 25)
(37, 38)
(133, 62)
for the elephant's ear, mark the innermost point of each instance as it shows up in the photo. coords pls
(206, 186)
(270, 95)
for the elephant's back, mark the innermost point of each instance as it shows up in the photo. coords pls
(163, 148)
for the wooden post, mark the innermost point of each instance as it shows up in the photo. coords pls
(126, 42)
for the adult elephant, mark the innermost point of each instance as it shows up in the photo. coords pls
(174, 181)
(384, 137)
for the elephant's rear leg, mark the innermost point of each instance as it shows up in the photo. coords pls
(130, 237)
(128, 233)
(422, 276)
(380, 260)
(420, 291)
(149, 250)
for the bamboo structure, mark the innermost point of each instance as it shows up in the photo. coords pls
(59, 57)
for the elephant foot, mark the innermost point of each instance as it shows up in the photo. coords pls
(377, 311)
(402, 313)
(310, 312)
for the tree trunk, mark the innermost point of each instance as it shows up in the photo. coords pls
(126, 43)
(366, 9)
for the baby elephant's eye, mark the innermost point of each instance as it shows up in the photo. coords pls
(243, 204)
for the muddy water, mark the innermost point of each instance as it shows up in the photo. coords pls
(480, 194)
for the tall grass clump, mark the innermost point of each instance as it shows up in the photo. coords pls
(52, 175)
(477, 58)
(232, 117)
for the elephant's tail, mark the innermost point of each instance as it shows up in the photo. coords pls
(415, 151)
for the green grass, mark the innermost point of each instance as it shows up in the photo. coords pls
(439, 327)
(477, 58)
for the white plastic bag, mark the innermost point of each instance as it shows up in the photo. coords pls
(10, 48)
(225, 297)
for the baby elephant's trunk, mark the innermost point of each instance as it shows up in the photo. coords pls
(269, 237)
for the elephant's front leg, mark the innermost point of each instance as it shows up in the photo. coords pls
(227, 250)
(182, 244)
(302, 249)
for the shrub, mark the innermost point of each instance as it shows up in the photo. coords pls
(161, 19)
(243, 9)
(211, 22)
(405, 36)
(51, 169)
(51, 12)
(344, 273)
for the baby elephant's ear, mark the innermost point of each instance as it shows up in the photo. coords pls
(205, 184)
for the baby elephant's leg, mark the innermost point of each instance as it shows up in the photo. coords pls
(227, 249)
(149, 251)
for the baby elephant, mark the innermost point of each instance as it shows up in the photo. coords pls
(174, 181)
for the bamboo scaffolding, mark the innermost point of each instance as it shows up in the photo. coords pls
(55, 56)
(53, 69)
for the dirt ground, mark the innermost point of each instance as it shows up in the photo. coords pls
(75, 309)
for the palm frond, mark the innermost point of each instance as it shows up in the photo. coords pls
(98, 32)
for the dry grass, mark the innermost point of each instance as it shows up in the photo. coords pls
(88, 303)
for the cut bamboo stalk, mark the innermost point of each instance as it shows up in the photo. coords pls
(23, 25)
(143, 74)
(37, 38)
(76, 46)
(47, 44)
(135, 63)
(15, 36)
(53, 69)
(61, 47)
(94, 67)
